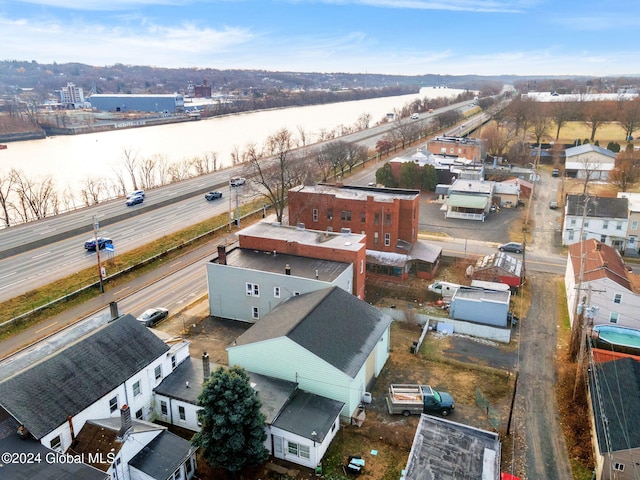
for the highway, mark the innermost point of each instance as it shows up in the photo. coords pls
(38, 253)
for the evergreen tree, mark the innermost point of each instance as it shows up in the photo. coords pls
(233, 428)
(428, 179)
(384, 176)
(409, 175)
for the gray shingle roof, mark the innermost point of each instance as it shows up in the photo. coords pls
(44, 395)
(598, 207)
(586, 148)
(162, 456)
(614, 389)
(307, 413)
(334, 325)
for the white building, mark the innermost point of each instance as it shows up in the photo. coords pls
(596, 278)
(72, 96)
(633, 227)
(589, 162)
(603, 219)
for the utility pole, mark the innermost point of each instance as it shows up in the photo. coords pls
(96, 226)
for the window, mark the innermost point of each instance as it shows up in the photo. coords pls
(345, 216)
(387, 219)
(163, 407)
(177, 475)
(188, 466)
(255, 313)
(253, 290)
(276, 292)
(586, 223)
(182, 413)
(173, 362)
(292, 448)
(572, 222)
(139, 414)
(295, 294)
(113, 404)
(375, 238)
(315, 214)
(136, 389)
(619, 226)
(603, 238)
(618, 466)
(304, 451)
(617, 298)
(329, 213)
(376, 219)
(613, 317)
(158, 372)
(363, 217)
(55, 443)
(570, 236)
(605, 224)
(634, 225)
(387, 239)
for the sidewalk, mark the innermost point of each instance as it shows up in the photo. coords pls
(62, 320)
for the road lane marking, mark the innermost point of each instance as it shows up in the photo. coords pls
(47, 327)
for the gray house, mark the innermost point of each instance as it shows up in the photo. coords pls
(245, 284)
(614, 389)
(328, 341)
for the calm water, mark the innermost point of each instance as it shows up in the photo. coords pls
(71, 160)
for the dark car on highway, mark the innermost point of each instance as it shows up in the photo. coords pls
(213, 195)
(152, 316)
(135, 200)
(515, 247)
(102, 242)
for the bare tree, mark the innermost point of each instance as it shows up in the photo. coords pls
(323, 162)
(303, 135)
(590, 167)
(540, 124)
(626, 173)
(94, 188)
(496, 139)
(147, 169)
(130, 162)
(630, 117)
(363, 121)
(179, 170)
(162, 169)
(6, 185)
(356, 154)
(561, 113)
(336, 153)
(280, 171)
(236, 157)
(119, 187)
(36, 198)
(595, 114)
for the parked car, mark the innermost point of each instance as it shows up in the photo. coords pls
(152, 316)
(237, 181)
(555, 172)
(213, 195)
(102, 242)
(415, 116)
(137, 192)
(515, 247)
(135, 200)
(553, 205)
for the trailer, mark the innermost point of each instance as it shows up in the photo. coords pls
(416, 399)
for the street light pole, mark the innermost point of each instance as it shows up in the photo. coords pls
(96, 226)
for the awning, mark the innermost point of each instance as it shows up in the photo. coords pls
(468, 201)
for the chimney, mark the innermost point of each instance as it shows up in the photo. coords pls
(206, 367)
(222, 255)
(598, 247)
(113, 309)
(70, 421)
(125, 421)
(23, 432)
(287, 269)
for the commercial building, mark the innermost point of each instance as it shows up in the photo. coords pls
(167, 104)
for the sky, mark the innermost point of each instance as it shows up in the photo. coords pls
(402, 37)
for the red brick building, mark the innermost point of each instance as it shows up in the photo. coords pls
(387, 216)
(463, 147)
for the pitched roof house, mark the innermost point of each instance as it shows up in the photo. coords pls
(602, 218)
(92, 378)
(328, 341)
(614, 388)
(596, 276)
(589, 161)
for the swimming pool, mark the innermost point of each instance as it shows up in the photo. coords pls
(614, 335)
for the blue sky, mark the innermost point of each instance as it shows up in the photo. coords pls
(407, 37)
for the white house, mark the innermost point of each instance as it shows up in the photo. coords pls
(633, 228)
(596, 278)
(245, 284)
(300, 425)
(601, 218)
(329, 342)
(118, 364)
(470, 199)
(589, 161)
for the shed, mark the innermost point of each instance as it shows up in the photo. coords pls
(499, 267)
(489, 307)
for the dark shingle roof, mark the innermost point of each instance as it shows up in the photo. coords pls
(161, 457)
(615, 388)
(307, 413)
(334, 325)
(43, 396)
(598, 207)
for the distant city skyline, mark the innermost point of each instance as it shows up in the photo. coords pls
(402, 37)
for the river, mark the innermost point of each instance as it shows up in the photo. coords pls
(71, 160)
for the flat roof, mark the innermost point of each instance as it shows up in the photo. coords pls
(360, 193)
(305, 267)
(333, 240)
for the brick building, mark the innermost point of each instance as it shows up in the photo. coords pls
(387, 216)
(462, 147)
